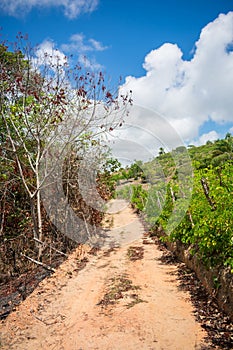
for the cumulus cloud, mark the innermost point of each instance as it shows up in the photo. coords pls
(72, 8)
(46, 53)
(188, 93)
(142, 134)
(210, 136)
(78, 45)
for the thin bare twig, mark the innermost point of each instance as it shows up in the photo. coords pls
(49, 268)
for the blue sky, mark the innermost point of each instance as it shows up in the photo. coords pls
(131, 38)
(129, 29)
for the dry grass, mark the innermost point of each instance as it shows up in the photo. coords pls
(119, 288)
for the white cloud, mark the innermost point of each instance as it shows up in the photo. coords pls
(210, 136)
(78, 44)
(46, 53)
(80, 47)
(142, 134)
(96, 45)
(89, 63)
(72, 8)
(188, 93)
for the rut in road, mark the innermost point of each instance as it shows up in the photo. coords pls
(124, 298)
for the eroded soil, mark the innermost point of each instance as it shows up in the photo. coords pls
(123, 298)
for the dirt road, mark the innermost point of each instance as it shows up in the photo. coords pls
(124, 298)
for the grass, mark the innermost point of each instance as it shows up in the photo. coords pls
(135, 253)
(118, 288)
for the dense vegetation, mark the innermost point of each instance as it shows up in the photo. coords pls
(190, 200)
(49, 130)
(203, 220)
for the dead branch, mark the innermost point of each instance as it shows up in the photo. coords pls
(49, 268)
(173, 195)
(46, 245)
(206, 192)
(190, 218)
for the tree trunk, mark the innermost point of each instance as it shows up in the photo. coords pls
(37, 223)
(206, 191)
(40, 228)
(34, 218)
(190, 218)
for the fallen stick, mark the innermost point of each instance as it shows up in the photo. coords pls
(38, 263)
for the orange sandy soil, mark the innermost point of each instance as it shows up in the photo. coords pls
(72, 309)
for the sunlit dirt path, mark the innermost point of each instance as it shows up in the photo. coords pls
(124, 298)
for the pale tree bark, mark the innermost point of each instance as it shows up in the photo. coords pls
(38, 102)
(207, 193)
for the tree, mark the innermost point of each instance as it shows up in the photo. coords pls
(161, 151)
(222, 153)
(48, 109)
